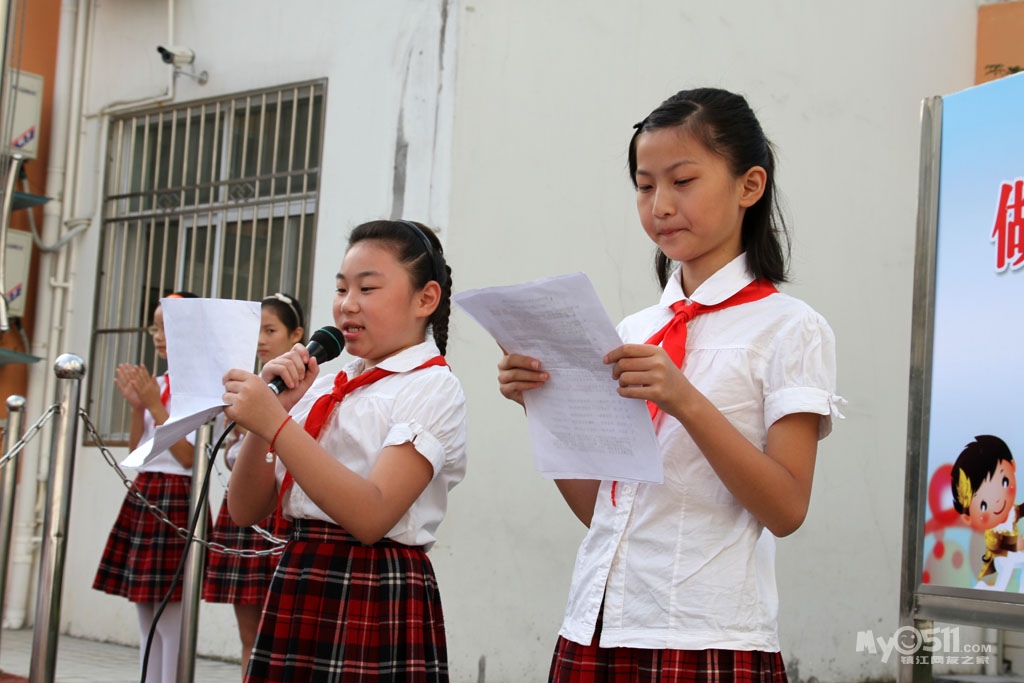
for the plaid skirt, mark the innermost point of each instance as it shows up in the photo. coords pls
(341, 611)
(238, 579)
(142, 552)
(575, 663)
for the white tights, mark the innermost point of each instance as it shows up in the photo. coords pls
(163, 654)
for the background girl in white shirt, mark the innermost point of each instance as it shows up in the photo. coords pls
(676, 581)
(242, 580)
(142, 553)
(354, 596)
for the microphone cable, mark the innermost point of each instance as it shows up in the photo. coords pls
(203, 495)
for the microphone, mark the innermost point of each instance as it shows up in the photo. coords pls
(325, 345)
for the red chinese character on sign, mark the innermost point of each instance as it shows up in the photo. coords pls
(1008, 233)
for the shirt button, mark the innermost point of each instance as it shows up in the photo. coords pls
(627, 489)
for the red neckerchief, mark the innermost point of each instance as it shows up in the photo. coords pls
(672, 336)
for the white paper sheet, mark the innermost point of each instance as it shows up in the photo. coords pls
(580, 428)
(205, 339)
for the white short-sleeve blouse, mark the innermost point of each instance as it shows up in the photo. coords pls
(424, 407)
(682, 564)
(164, 461)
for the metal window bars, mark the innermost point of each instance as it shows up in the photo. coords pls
(216, 197)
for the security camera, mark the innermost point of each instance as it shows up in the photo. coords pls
(176, 55)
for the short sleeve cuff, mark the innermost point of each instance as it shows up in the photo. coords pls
(804, 400)
(422, 440)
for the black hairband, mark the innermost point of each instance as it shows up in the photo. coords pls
(440, 274)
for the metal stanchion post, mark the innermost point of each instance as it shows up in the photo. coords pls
(8, 480)
(192, 586)
(69, 370)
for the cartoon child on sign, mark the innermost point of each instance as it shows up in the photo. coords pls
(984, 482)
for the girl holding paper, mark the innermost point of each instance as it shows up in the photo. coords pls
(676, 581)
(361, 462)
(142, 552)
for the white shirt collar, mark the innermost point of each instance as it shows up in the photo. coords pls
(403, 361)
(726, 281)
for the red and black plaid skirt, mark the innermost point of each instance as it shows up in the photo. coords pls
(238, 579)
(575, 663)
(142, 552)
(341, 611)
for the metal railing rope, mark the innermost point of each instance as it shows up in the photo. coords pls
(277, 543)
(30, 433)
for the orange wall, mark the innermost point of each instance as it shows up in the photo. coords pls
(38, 54)
(1000, 31)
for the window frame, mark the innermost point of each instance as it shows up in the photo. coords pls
(217, 196)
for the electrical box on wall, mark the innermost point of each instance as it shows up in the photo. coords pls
(26, 96)
(19, 256)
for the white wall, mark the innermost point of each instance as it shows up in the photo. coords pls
(546, 93)
(546, 96)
